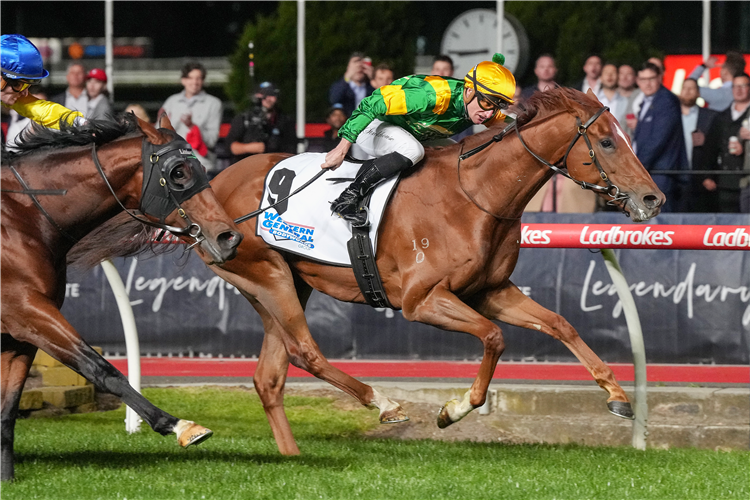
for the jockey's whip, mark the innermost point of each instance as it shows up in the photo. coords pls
(261, 210)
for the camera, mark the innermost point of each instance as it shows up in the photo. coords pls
(256, 115)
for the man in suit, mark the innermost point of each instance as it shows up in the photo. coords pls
(658, 139)
(353, 87)
(696, 123)
(723, 154)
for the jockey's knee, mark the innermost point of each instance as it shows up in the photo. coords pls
(414, 152)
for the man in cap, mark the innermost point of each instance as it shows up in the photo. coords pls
(22, 66)
(388, 128)
(262, 128)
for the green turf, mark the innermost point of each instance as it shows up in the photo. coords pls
(90, 456)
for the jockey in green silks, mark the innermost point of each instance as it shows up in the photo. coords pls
(22, 67)
(387, 128)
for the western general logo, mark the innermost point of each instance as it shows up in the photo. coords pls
(283, 230)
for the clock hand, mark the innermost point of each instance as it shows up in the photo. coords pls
(469, 52)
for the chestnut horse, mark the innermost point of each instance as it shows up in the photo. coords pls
(463, 283)
(55, 190)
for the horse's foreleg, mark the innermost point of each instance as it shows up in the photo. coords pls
(510, 305)
(47, 329)
(16, 361)
(443, 309)
(269, 380)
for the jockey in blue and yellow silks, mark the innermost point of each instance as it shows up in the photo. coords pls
(21, 67)
(388, 127)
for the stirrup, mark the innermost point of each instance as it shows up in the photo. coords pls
(360, 218)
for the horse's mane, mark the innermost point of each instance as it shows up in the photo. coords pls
(120, 236)
(542, 104)
(538, 106)
(41, 139)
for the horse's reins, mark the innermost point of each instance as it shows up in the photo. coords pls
(610, 190)
(33, 193)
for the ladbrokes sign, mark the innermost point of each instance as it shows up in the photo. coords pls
(678, 237)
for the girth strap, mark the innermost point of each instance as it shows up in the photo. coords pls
(365, 271)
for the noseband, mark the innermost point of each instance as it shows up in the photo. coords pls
(610, 189)
(171, 175)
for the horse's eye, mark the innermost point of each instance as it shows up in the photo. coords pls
(181, 174)
(607, 143)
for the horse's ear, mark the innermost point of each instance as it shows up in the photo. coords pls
(165, 123)
(591, 94)
(153, 135)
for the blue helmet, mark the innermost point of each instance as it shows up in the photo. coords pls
(21, 60)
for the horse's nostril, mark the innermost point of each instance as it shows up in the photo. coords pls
(651, 201)
(229, 240)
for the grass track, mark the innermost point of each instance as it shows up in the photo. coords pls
(90, 456)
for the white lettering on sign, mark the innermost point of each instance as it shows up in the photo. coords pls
(685, 290)
(617, 236)
(535, 236)
(162, 285)
(72, 290)
(738, 238)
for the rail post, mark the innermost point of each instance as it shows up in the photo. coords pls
(132, 420)
(637, 345)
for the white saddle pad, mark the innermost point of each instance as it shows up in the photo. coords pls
(304, 224)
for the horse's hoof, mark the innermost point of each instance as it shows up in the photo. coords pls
(393, 416)
(621, 409)
(194, 434)
(444, 420)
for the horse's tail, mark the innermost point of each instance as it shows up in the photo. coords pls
(120, 236)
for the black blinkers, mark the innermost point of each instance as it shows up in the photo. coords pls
(171, 175)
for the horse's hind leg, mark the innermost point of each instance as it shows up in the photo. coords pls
(43, 326)
(16, 361)
(510, 305)
(269, 281)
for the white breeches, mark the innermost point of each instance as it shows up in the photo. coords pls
(381, 138)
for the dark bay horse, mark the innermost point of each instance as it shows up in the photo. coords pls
(56, 190)
(466, 217)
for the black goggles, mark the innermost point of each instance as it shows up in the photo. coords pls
(490, 102)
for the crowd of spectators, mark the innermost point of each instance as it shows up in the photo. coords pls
(667, 132)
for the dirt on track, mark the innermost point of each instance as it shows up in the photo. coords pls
(422, 422)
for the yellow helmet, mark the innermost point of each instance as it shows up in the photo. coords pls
(493, 81)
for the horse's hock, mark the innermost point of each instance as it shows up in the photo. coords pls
(701, 417)
(54, 389)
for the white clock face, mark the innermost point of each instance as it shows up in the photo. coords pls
(472, 38)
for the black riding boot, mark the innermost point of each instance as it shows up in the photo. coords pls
(372, 173)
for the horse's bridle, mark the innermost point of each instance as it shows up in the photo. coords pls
(162, 191)
(610, 189)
